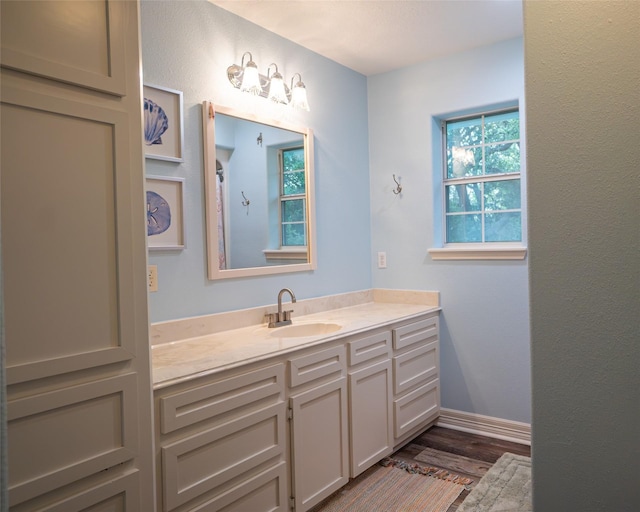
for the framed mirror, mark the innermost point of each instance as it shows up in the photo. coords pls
(258, 195)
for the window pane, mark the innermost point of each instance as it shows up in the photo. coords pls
(501, 127)
(502, 158)
(467, 132)
(293, 159)
(464, 228)
(293, 175)
(453, 200)
(503, 227)
(293, 234)
(464, 197)
(463, 162)
(293, 211)
(502, 195)
(293, 183)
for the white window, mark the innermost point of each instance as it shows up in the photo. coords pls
(481, 184)
(293, 198)
(482, 179)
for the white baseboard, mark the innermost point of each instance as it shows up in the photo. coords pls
(485, 426)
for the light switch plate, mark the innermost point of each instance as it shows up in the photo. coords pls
(152, 278)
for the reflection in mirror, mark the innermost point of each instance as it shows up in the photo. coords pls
(259, 195)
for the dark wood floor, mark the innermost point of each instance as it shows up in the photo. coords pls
(467, 455)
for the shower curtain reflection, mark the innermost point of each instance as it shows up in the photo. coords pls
(222, 253)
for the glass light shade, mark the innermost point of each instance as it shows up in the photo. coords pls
(251, 79)
(299, 97)
(276, 89)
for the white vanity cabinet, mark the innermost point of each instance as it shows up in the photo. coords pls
(416, 383)
(319, 425)
(221, 442)
(370, 395)
(285, 432)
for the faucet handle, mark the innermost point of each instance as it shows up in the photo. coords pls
(271, 318)
(286, 315)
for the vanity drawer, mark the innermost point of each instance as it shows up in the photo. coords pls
(424, 330)
(416, 408)
(370, 347)
(179, 410)
(415, 366)
(210, 458)
(266, 491)
(310, 367)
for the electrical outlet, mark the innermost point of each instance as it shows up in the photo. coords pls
(382, 260)
(152, 278)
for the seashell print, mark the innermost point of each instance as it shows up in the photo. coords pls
(158, 214)
(156, 122)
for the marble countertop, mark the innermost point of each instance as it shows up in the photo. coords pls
(186, 359)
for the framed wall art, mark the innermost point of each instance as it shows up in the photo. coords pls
(163, 125)
(165, 212)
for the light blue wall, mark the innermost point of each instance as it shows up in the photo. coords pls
(359, 144)
(485, 324)
(188, 45)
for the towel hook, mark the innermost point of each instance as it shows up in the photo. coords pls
(246, 202)
(398, 188)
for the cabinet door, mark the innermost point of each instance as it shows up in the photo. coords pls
(74, 258)
(320, 444)
(370, 415)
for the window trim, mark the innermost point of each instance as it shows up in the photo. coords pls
(295, 252)
(479, 252)
(515, 250)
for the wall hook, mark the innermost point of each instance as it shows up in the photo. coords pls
(398, 188)
(246, 202)
(259, 139)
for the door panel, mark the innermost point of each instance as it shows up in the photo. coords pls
(75, 42)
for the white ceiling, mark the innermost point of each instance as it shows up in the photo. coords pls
(375, 36)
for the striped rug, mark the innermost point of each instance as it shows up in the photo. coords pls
(388, 488)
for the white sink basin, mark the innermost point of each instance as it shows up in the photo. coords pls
(300, 330)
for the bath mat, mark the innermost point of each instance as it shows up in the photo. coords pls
(506, 487)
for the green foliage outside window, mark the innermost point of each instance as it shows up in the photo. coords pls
(293, 175)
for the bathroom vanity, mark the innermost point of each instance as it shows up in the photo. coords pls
(257, 419)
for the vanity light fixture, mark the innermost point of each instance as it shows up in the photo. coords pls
(277, 93)
(247, 78)
(299, 94)
(250, 77)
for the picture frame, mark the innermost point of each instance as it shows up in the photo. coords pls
(163, 123)
(165, 213)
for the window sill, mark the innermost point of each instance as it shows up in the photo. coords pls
(478, 253)
(299, 253)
